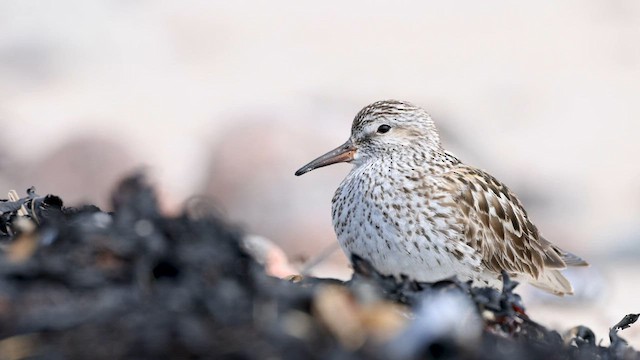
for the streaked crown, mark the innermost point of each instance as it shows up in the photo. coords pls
(390, 124)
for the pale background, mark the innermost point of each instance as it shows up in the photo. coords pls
(230, 98)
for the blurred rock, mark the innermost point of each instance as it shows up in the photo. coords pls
(81, 170)
(251, 178)
(269, 255)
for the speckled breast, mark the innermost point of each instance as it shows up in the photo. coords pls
(388, 220)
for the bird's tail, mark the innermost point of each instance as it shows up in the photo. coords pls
(572, 259)
(554, 282)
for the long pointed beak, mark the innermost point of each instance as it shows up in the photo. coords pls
(343, 153)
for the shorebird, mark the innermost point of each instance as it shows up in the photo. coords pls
(412, 208)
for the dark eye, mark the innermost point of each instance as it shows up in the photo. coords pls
(383, 129)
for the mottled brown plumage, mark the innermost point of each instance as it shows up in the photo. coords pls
(410, 207)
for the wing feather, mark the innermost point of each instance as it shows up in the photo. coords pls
(498, 227)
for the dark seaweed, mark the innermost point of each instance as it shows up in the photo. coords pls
(136, 283)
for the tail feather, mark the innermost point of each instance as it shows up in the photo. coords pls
(572, 259)
(554, 282)
(556, 258)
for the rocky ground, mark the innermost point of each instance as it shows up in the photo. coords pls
(136, 283)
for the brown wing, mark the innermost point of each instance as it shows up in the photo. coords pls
(497, 225)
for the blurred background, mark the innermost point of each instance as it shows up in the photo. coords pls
(228, 99)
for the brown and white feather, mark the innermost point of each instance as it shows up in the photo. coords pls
(498, 227)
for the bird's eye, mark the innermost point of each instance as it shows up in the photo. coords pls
(383, 129)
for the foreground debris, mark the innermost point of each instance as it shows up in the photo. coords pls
(82, 283)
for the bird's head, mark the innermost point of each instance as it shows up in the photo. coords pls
(381, 130)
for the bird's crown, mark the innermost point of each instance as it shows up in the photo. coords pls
(398, 118)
